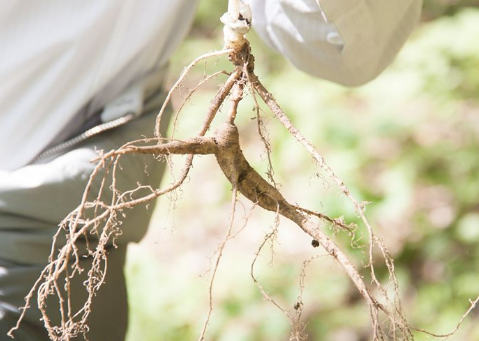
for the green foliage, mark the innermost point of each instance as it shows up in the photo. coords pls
(408, 142)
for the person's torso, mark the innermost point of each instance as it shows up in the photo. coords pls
(60, 58)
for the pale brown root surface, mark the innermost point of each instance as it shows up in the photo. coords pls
(387, 318)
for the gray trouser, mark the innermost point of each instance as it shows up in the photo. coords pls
(34, 199)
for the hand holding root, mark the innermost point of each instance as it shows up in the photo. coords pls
(237, 23)
(387, 317)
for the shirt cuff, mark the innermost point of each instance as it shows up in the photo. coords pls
(372, 31)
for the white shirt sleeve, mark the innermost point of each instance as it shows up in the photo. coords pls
(61, 61)
(349, 42)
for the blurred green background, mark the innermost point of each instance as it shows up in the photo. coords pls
(408, 142)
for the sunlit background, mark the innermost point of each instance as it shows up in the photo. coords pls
(408, 142)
